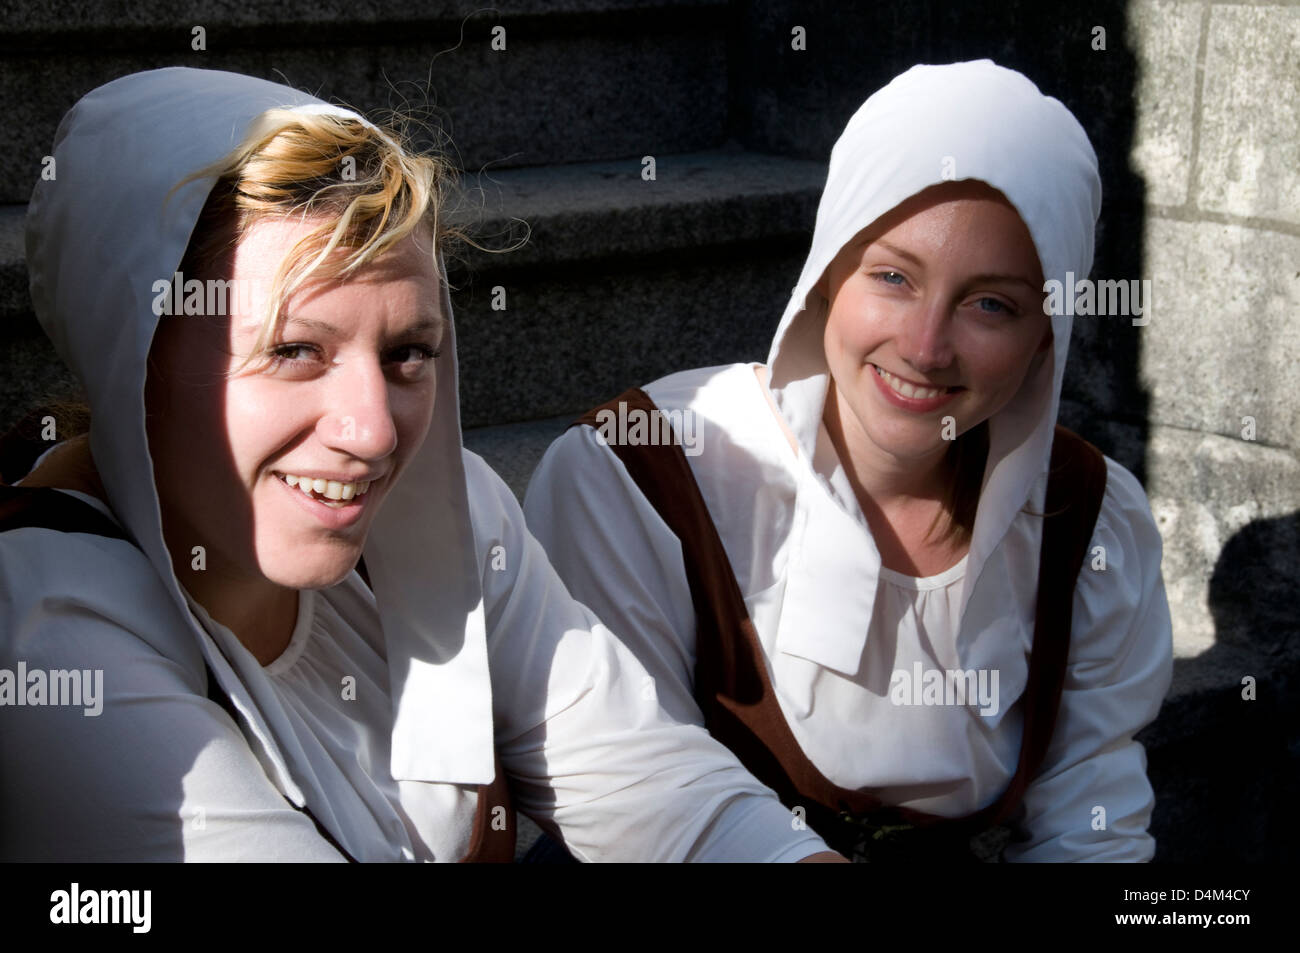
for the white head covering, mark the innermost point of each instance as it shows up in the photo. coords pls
(98, 236)
(971, 120)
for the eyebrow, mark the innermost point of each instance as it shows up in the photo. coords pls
(900, 252)
(1014, 279)
(324, 327)
(974, 279)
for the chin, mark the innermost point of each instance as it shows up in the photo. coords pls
(910, 440)
(292, 571)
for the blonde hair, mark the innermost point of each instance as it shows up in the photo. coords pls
(369, 190)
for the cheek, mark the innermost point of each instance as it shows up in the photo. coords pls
(185, 430)
(259, 419)
(849, 334)
(186, 397)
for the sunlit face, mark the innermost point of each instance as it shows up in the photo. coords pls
(346, 399)
(936, 310)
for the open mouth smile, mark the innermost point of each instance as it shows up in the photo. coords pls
(332, 493)
(911, 396)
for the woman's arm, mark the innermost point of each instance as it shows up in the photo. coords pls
(145, 767)
(1092, 800)
(618, 557)
(581, 729)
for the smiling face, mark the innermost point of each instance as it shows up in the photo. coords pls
(343, 400)
(934, 310)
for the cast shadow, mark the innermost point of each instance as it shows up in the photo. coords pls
(1226, 765)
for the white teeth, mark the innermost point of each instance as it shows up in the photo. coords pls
(906, 389)
(330, 492)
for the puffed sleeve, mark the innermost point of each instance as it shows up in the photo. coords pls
(146, 768)
(591, 753)
(1092, 800)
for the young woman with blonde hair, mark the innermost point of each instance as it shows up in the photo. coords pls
(305, 623)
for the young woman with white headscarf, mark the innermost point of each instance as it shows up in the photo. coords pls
(247, 694)
(860, 579)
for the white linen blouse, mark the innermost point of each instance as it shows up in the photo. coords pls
(797, 542)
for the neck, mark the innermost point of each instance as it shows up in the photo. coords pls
(261, 614)
(877, 478)
(901, 499)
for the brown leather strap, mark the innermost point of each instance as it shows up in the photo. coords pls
(492, 839)
(1076, 484)
(732, 684)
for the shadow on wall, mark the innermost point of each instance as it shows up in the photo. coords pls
(1227, 777)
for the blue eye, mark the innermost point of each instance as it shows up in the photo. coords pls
(886, 277)
(995, 306)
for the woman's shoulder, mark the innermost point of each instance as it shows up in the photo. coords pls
(722, 417)
(681, 388)
(1120, 595)
(491, 501)
(1126, 511)
(58, 587)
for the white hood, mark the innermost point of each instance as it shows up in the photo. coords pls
(98, 236)
(979, 121)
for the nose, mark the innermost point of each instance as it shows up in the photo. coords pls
(359, 421)
(925, 339)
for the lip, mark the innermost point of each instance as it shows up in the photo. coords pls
(919, 405)
(331, 517)
(339, 477)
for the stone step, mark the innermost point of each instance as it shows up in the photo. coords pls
(100, 25)
(624, 280)
(578, 80)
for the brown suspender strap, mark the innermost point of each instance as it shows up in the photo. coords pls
(732, 684)
(1076, 484)
(492, 839)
